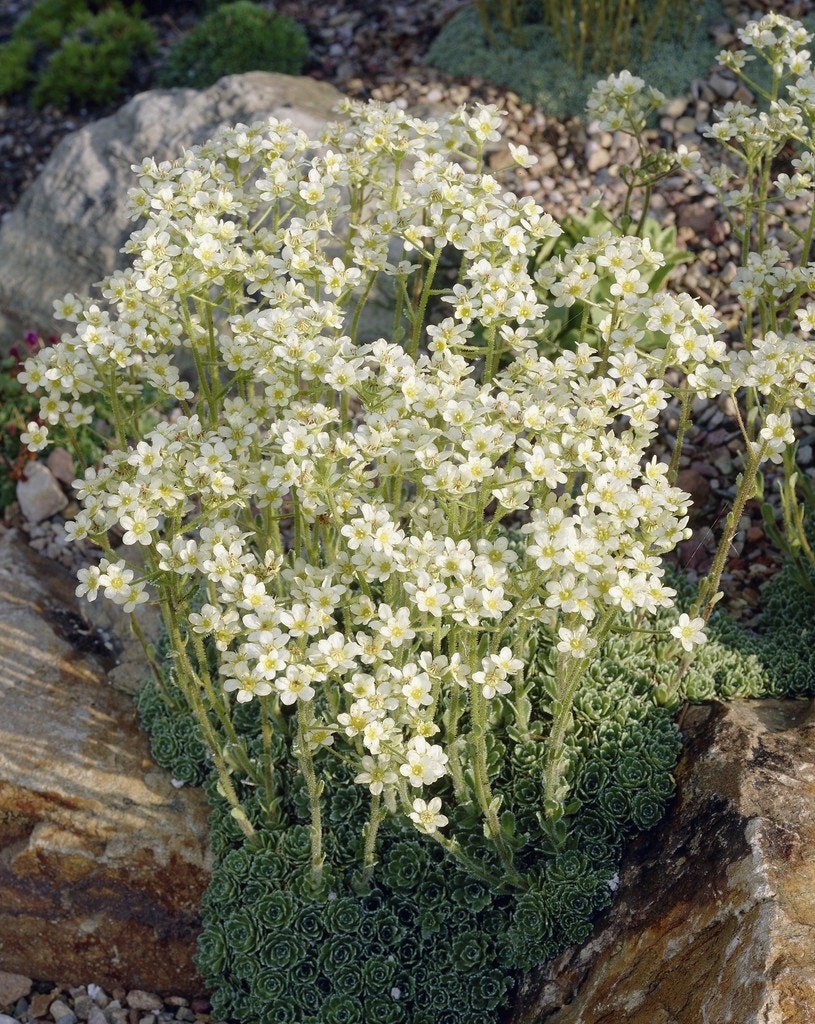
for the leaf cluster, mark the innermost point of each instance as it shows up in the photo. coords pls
(235, 38)
(447, 941)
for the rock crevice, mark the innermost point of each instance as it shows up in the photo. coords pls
(714, 921)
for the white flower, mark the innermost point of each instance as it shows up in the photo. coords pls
(376, 774)
(36, 437)
(425, 762)
(426, 815)
(575, 642)
(138, 527)
(689, 632)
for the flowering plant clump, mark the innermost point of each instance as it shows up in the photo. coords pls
(339, 506)
(389, 565)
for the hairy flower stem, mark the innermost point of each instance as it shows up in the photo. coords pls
(270, 790)
(570, 676)
(708, 591)
(684, 422)
(191, 683)
(419, 314)
(370, 831)
(451, 719)
(488, 805)
(314, 788)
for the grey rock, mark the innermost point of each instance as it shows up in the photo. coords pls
(597, 156)
(675, 107)
(139, 1000)
(722, 85)
(61, 1012)
(83, 1004)
(715, 914)
(39, 494)
(61, 463)
(66, 232)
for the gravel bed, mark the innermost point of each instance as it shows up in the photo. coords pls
(66, 1004)
(373, 49)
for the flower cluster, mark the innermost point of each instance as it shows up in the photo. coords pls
(324, 517)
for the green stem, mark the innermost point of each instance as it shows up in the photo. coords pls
(371, 828)
(314, 789)
(419, 314)
(483, 792)
(706, 598)
(684, 421)
(569, 676)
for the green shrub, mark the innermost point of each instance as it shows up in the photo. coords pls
(93, 63)
(235, 38)
(47, 21)
(74, 53)
(15, 63)
(541, 71)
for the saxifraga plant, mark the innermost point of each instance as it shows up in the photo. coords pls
(272, 947)
(324, 525)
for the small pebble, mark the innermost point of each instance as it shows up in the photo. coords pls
(83, 1004)
(58, 1009)
(136, 999)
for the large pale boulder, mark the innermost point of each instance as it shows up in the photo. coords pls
(103, 861)
(66, 232)
(715, 915)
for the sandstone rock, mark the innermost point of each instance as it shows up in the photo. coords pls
(715, 915)
(128, 667)
(39, 493)
(13, 987)
(102, 861)
(66, 232)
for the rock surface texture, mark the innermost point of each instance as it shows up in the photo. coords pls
(66, 232)
(714, 920)
(102, 861)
